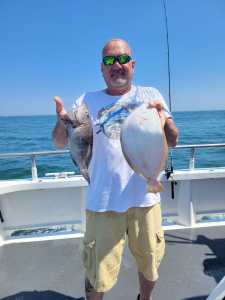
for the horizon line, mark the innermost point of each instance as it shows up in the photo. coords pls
(45, 115)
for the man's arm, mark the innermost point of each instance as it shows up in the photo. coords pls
(171, 132)
(59, 134)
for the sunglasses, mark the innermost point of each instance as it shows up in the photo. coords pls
(110, 60)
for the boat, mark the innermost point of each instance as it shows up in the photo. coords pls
(42, 224)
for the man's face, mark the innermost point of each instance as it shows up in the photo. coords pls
(117, 76)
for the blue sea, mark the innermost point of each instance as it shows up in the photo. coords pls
(33, 133)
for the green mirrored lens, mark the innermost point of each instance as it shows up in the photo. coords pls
(123, 59)
(108, 60)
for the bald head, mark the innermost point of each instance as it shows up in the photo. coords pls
(114, 45)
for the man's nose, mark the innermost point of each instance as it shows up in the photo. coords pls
(117, 65)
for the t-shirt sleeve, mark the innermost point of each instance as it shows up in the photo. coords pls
(152, 94)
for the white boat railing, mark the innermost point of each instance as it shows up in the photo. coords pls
(191, 197)
(33, 155)
(193, 148)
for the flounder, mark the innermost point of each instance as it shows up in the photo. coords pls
(144, 145)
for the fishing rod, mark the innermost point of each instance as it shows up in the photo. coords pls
(168, 53)
(169, 168)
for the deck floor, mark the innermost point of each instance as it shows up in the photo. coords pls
(194, 263)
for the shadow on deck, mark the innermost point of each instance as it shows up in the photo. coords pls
(45, 295)
(214, 259)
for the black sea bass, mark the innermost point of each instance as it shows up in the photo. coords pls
(80, 135)
(144, 145)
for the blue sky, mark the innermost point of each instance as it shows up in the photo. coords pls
(53, 47)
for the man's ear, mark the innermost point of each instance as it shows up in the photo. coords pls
(133, 64)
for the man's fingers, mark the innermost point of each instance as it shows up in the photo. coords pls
(155, 104)
(59, 106)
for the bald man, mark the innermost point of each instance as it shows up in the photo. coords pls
(117, 204)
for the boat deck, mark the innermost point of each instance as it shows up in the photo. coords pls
(47, 270)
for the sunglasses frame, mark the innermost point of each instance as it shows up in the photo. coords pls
(117, 58)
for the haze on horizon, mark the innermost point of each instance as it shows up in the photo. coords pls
(53, 48)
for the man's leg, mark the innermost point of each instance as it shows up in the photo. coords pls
(102, 253)
(91, 293)
(146, 242)
(146, 287)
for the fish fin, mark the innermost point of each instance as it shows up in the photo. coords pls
(154, 186)
(89, 154)
(84, 172)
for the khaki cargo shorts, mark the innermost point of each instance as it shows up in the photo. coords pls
(105, 239)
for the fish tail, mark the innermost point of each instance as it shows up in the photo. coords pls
(84, 172)
(154, 186)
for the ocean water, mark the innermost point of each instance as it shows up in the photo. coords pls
(33, 133)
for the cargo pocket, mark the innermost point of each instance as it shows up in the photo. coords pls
(89, 260)
(160, 246)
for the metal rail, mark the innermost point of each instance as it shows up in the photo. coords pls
(34, 154)
(222, 145)
(193, 148)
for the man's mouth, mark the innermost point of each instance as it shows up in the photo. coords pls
(117, 74)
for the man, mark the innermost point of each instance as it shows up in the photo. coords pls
(117, 203)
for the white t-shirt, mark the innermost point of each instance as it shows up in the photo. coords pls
(114, 185)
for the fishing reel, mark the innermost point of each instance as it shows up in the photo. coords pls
(169, 176)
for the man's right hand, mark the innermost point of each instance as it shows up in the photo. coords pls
(59, 134)
(60, 110)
